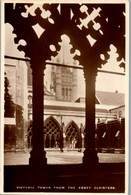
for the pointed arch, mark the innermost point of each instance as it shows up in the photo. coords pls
(73, 137)
(52, 133)
(52, 119)
(72, 123)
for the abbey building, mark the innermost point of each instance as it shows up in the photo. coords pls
(64, 111)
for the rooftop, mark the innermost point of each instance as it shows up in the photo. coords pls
(111, 98)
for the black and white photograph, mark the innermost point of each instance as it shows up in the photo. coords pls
(64, 97)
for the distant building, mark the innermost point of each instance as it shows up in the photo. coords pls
(64, 121)
(64, 113)
(16, 128)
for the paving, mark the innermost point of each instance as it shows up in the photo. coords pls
(57, 157)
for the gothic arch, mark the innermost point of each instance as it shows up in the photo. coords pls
(73, 137)
(52, 133)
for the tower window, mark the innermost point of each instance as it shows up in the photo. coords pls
(67, 92)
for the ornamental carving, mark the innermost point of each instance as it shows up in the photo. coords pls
(92, 28)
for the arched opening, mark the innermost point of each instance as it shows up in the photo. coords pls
(73, 137)
(52, 133)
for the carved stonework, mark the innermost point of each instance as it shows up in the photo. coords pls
(91, 29)
(79, 26)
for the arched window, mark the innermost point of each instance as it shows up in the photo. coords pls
(73, 136)
(66, 92)
(63, 92)
(52, 133)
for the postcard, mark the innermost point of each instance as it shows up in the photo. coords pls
(64, 97)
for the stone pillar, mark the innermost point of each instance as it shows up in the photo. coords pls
(90, 158)
(37, 155)
(80, 140)
(64, 136)
(107, 134)
(61, 136)
(122, 128)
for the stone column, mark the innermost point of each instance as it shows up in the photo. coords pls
(80, 140)
(64, 136)
(90, 158)
(122, 133)
(61, 136)
(37, 155)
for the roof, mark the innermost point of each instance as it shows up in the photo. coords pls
(111, 98)
(107, 98)
(75, 106)
(82, 100)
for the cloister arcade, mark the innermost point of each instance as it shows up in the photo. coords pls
(72, 20)
(56, 136)
(109, 137)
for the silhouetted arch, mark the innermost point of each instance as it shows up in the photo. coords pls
(52, 133)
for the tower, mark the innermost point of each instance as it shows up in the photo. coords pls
(58, 83)
(64, 83)
(74, 84)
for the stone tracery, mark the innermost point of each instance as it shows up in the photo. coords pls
(106, 28)
(98, 24)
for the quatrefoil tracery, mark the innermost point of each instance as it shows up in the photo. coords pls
(88, 27)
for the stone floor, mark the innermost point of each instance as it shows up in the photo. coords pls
(57, 157)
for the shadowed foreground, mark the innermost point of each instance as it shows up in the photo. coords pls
(107, 177)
